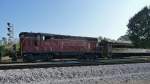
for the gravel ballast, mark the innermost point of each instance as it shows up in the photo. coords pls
(102, 74)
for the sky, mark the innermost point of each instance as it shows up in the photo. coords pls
(92, 18)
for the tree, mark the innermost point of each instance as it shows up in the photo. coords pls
(139, 28)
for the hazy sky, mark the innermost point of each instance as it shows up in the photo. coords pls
(72, 17)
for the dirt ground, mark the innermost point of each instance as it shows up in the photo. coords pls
(103, 74)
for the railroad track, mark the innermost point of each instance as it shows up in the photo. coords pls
(73, 63)
(44, 65)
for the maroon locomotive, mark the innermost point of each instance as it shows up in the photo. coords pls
(43, 46)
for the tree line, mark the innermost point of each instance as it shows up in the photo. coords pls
(139, 29)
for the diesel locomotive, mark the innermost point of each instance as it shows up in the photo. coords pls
(43, 46)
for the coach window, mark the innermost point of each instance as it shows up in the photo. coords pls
(43, 38)
(38, 37)
(47, 37)
(35, 43)
(22, 36)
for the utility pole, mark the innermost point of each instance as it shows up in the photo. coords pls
(11, 43)
(10, 34)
